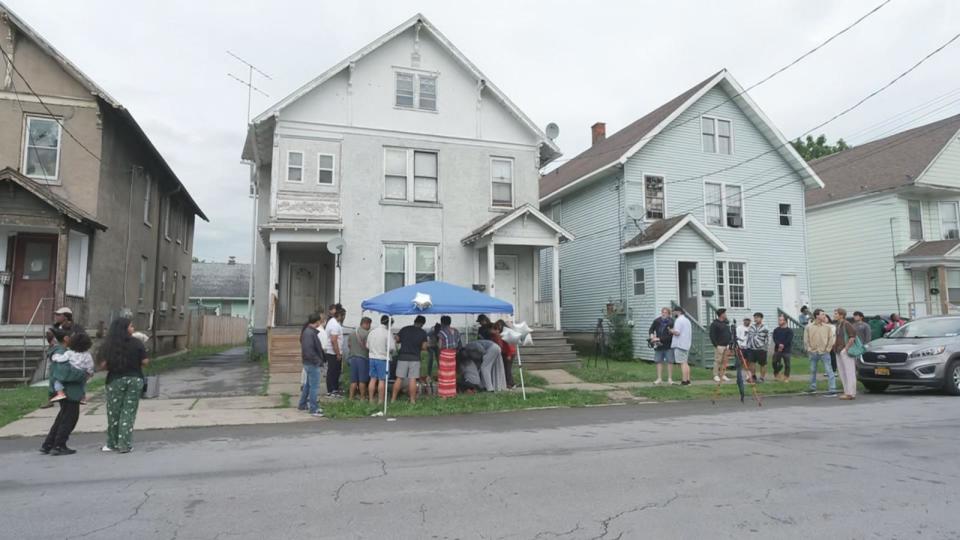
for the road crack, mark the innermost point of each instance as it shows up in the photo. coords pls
(383, 472)
(605, 524)
(136, 511)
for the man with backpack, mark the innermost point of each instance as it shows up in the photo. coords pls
(661, 340)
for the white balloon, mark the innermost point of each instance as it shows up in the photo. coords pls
(511, 336)
(522, 328)
(422, 301)
(527, 341)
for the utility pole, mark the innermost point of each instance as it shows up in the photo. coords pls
(254, 187)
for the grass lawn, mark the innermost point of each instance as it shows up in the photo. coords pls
(16, 402)
(641, 370)
(677, 393)
(464, 404)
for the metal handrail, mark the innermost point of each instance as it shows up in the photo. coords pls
(797, 328)
(26, 334)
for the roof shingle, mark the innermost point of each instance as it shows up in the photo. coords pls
(220, 280)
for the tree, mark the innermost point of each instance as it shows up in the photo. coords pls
(811, 149)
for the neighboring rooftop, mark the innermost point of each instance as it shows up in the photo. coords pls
(654, 231)
(220, 280)
(881, 165)
(936, 248)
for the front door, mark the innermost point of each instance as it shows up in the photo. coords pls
(304, 292)
(920, 298)
(789, 295)
(505, 277)
(34, 275)
(689, 286)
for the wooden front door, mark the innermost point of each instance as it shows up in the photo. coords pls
(304, 292)
(34, 275)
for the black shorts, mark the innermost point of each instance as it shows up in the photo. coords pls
(758, 357)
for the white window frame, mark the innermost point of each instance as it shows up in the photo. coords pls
(780, 214)
(409, 261)
(173, 294)
(723, 206)
(410, 195)
(163, 287)
(642, 282)
(646, 209)
(416, 75)
(78, 250)
(556, 212)
(148, 201)
(723, 299)
(332, 169)
(716, 135)
(923, 231)
(26, 148)
(956, 205)
(493, 181)
(301, 166)
(166, 219)
(142, 284)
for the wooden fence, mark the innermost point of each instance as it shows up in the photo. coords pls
(208, 330)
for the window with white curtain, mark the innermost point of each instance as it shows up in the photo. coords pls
(425, 176)
(723, 205)
(410, 175)
(394, 267)
(425, 260)
(78, 249)
(949, 226)
(501, 176)
(405, 264)
(916, 219)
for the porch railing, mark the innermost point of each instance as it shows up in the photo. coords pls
(545, 313)
(797, 328)
(923, 309)
(42, 364)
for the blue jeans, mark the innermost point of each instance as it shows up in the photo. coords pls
(308, 396)
(831, 378)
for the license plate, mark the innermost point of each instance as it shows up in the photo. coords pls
(881, 371)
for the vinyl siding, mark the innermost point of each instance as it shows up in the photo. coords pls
(640, 306)
(945, 169)
(860, 275)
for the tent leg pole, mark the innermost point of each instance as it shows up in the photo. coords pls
(523, 387)
(386, 382)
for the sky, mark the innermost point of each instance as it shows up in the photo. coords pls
(569, 62)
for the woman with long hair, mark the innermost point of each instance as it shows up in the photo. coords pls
(123, 356)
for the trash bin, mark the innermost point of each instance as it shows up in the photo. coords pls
(151, 387)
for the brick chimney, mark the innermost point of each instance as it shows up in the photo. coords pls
(599, 131)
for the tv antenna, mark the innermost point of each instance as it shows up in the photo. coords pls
(249, 82)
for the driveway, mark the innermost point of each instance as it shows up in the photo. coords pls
(227, 374)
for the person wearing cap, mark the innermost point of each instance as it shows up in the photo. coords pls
(63, 318)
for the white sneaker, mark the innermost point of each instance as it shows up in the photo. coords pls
(671, 382)
(658, 381)
(716, 378)
(106, 449)
(725, 379)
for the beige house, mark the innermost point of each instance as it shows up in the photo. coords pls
(91, 215)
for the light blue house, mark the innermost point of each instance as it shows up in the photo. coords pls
(698, 203)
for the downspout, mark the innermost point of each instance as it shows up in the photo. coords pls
(126, 260)
(161, 225)
(893, 252)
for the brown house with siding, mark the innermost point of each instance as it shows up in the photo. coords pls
(91, 215)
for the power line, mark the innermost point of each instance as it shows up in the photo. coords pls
(50, 112)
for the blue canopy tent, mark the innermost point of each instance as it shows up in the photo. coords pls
(445, 299)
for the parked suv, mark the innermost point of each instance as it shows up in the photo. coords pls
(923, 352)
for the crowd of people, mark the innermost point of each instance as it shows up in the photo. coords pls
(122, 354)
(833, 343)
(484, 364)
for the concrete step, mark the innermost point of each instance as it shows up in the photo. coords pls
(11, 382)
(10, 342)
(557, 349)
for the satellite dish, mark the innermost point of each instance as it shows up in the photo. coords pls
(635, 212)
(335, 246)
(553, 131)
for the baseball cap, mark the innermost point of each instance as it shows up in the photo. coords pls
(64, 311)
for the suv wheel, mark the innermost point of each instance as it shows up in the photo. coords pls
(875, 387)
(952, 382)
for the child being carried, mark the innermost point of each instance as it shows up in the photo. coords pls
(77, 356)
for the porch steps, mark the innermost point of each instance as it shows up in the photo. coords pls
(12, 345)
(283, 349)
(550, 350)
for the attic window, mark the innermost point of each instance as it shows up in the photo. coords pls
(717, 135)
(416, 91)
(41, 159)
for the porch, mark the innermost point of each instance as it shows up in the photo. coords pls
(304, 275)
(934, 275)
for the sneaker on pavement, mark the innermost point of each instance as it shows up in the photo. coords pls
(317, 414)
(658, 381)
(62, 451)
(725, 378)
(106, 448)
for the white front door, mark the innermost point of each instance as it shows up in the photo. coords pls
(789, 294)
(920, 298)
(304, 291)
(505, 276)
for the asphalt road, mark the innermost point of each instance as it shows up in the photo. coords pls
(229, 373)
(800, 467)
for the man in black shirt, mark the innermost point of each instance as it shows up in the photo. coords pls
(412, 339)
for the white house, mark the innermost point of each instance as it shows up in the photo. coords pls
(413, 158)
(897, 200)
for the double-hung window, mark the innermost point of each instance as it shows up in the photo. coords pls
(639, 282)
(949, 226)
(723, 205)
(731, 284)
(41, 157)
(410, 175)
(501, 176)
(916, 220)
(717, 135)
(325, 169)
(416, 91)
(148, 200)
(786, 215)
(653, 196)
(294, 166)
(405, 264)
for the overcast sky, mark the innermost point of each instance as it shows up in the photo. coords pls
(573, 63)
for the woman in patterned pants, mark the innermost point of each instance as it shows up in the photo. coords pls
(123, 356)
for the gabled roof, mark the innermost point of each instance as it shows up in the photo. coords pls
(616, 149)
(658, 232)
(552, 150)
(885, 164)
(97, 92)
(219, 280)
(932, 249)
(501, 221)
(46, 195)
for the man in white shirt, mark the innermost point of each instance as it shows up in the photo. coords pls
(379, 344)
(682, 339)
(335, 363)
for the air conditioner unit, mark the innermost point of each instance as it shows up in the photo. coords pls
(734, 221)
